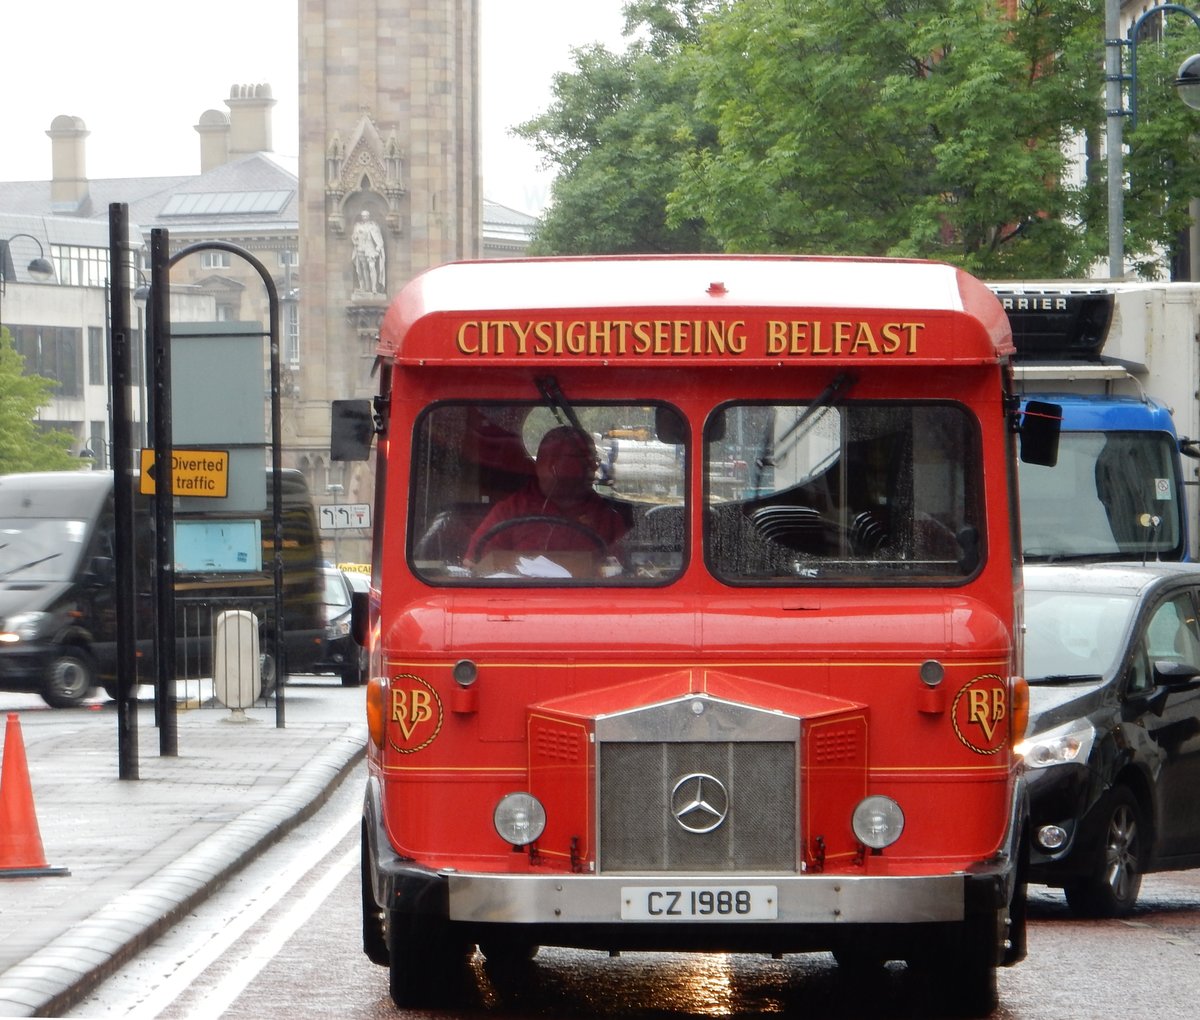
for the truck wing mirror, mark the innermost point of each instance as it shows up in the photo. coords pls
(1040, 425)
(1189, 447)
(350, 430)
(102, 571)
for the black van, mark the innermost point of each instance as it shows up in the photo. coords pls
(57, 595)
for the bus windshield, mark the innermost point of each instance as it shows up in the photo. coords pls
(851, 492)
(795, 494)
(516, 494)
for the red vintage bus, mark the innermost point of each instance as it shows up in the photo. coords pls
(695, 618)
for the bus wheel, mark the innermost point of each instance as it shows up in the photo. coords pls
(424, 961)
(959, 970)
(374, 932)
(69, 679)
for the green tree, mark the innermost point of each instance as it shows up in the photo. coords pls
(923, 128)
(618, 131)
(1163, 161)
(24, 446)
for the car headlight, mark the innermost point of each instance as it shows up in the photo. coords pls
(338, 628)
(1070, 742)
(519, 818)
(22, 626)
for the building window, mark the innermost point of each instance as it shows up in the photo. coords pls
(55, 352)
(289, 258)
(77, 266)
(97, 356)
(291, 333)
(215, 260)
(226, 313)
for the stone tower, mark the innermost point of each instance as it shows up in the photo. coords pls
(390, 172)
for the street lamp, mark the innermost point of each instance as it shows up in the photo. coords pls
(1187, 84)
(99, 449)
(40, 268)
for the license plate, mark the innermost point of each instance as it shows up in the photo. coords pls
(699, 903)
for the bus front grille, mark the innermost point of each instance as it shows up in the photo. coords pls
(700, 806)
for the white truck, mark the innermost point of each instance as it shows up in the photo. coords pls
(1121, 360)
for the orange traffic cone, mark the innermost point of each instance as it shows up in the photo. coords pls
(21, 854)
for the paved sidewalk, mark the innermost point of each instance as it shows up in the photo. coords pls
(142, 853)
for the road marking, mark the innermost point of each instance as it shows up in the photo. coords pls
(214, 1002)
(219, 998)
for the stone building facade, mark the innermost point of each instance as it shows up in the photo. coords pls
(389, 186)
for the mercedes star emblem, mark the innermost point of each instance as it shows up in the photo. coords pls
(699, 802)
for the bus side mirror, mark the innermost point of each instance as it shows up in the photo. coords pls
(1040, 425)
(360, 618)
(350, 430)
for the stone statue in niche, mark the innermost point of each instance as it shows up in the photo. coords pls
(368, 256)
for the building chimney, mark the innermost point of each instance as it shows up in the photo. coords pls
(69, 184)
(249, 119)
(214, 140)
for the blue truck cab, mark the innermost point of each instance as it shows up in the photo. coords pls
(1116, 492)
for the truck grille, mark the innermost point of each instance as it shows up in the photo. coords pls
(638, 831)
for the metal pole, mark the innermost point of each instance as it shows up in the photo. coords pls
(123, 487)
(276, 497)
(1114, 141)
(159, 316)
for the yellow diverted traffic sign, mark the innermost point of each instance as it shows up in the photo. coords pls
(193, 473)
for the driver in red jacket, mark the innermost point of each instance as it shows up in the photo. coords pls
(558, 509)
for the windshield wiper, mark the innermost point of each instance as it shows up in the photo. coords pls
(559, 406)
(826, 398)
(1065, 679)
(25, 566)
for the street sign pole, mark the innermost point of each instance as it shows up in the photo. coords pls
(164, 509)
(125, 595)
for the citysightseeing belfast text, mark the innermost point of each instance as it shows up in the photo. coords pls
(669, 338)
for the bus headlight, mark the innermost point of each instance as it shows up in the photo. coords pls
(1071, 742)
(519, 818)
(877, 822)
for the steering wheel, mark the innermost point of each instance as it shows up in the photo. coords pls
(549, 520)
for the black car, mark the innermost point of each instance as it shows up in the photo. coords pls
(1112, 755)
(340, 653)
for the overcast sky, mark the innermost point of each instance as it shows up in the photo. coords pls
(122, 65)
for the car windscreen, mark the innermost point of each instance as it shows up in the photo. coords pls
(859, 492)
(337, 592)
(1074, 633)
(40, 549)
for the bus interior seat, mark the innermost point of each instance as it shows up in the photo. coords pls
(447, 536)
(797, 527)
(868, 534)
